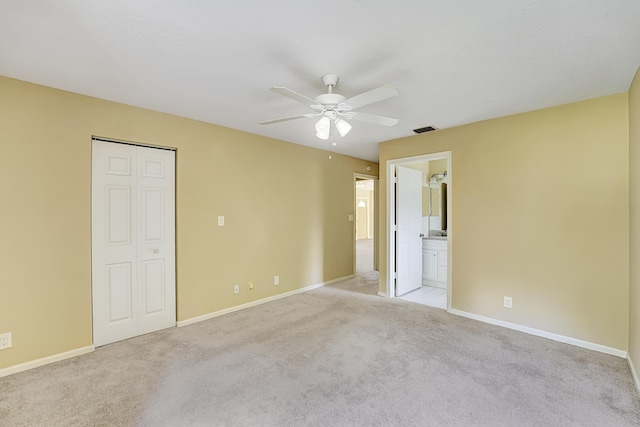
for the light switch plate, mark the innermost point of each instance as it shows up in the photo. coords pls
(220, 221)
(350, 217)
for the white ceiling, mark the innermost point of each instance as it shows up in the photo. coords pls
(454, 62)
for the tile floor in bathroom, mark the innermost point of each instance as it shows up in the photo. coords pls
(428, 295)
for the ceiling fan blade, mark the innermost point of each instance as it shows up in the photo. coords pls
(284, 119)
(293, 95)
(371, 96)
(374, 118)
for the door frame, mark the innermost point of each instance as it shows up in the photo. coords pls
(391, 219)
(175, 225)
(376, 193)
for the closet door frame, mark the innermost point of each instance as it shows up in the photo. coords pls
(133, 240)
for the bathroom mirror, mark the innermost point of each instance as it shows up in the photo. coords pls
(436, 187)
(436, 204)
(434, 195)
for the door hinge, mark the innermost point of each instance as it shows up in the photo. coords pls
(395, 227)
(395, 276)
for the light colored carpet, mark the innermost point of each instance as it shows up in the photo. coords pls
(329, 357)
(367, 280)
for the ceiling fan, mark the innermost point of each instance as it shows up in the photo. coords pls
(333, 107)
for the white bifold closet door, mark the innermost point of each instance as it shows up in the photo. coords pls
(133, 240)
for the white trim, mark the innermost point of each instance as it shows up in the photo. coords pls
(382, 294)
(634, 373)
(259, 302)
(375, 180)
(45, 360)
(540, 333)
(390, 229)
(84, 350)
(134, 143)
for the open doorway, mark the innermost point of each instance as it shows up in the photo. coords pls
(419, 240)
(366, 279)
(365, 244)
(364, 224)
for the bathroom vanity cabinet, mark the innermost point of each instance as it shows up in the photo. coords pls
(434, 262)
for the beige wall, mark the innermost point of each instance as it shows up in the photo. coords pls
(540, 212)
(634, 232)
(437, 166)
(286, 209)
(428, 168)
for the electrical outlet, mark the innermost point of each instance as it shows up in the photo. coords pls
(236, 289)
(5, 341)
(508, 302)
(276, 280)
(250, 285)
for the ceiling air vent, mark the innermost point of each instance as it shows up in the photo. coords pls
(424, 129)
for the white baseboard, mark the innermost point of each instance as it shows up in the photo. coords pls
(543, 334)
(259, 302)
(45, 360)
(83, 350)
(634, 374)
(383, 294)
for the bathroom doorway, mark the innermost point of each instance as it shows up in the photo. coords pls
(432, 240)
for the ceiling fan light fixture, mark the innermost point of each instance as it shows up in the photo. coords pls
(323, 128)
(336, 108)
(343, 127)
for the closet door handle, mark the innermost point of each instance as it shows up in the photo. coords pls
(156, 251)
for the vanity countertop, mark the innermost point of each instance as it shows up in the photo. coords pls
(434, 238)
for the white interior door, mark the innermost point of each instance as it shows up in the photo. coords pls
(133, 240)
(409, 229)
